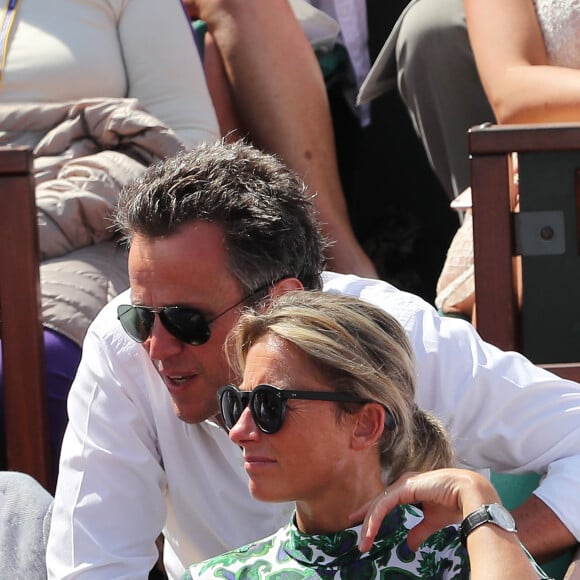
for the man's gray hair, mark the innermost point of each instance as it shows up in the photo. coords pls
(269, 223)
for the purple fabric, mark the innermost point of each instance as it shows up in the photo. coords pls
(62, 357)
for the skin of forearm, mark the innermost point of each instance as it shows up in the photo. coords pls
(536, 94)
(493, 552)
(221, 93)
(286, 86)
(277, 98)
(521, 83)
(541, 531)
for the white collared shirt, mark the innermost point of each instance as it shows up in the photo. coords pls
(129, 467)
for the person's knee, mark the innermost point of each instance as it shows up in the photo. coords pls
(23, 492)
(25, 511)
(431, 31)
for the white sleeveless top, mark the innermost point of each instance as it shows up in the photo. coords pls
(560, 24)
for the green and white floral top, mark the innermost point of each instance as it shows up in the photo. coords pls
(291, 555)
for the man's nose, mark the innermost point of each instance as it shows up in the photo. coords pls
(161, 343)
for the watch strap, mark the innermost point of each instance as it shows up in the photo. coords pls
(473, 521)
(484, 515)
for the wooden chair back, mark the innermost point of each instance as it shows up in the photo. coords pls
(25, 405)
(526, 258)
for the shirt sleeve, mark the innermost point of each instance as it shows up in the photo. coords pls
(94, 485)
(501, 411)
(164, 70)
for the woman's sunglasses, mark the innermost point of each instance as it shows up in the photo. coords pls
(183, 322)
(268, 404)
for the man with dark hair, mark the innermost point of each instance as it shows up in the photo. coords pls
(211, 231)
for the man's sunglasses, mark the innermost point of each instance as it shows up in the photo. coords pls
(268, 404)
(183, 322)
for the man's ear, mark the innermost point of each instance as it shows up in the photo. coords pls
(369, 426)
(285, 285)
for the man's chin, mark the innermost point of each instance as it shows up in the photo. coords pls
(191, 415)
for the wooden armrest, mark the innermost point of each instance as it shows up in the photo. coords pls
(25, 406)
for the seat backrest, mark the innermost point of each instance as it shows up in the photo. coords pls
(25, 406)
(527, 260)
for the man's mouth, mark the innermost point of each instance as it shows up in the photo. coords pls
(178, 382)
(178, 379)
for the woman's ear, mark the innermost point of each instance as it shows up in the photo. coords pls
(369, 425)
(285, 285)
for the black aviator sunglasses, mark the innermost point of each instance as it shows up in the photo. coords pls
(268, 404)
(185, 323)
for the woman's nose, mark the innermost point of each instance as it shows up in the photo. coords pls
(245, 428)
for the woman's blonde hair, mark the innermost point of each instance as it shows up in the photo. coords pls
(359, 349)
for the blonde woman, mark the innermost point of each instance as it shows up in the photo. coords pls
(326, 417)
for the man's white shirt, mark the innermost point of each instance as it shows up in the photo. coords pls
(130, 469)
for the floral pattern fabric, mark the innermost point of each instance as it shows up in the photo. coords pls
(291, 555)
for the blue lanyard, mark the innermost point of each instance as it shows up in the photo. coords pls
(7, 22)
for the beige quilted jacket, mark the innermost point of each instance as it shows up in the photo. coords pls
(84, 153)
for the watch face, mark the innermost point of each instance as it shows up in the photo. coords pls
(502, 516)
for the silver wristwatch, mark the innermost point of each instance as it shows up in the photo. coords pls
(493, 513)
